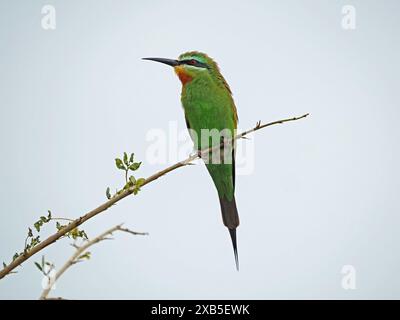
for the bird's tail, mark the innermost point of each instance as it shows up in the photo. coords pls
(230, 217)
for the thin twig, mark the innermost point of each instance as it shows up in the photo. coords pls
(80, 250)
(118, 197)
(61, 219)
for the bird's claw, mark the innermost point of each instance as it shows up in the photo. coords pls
(197, 153)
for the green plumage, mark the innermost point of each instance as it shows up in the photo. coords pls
(208, 104)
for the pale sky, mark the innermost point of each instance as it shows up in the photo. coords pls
(322, 193)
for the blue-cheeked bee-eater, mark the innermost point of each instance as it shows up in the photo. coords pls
(208, 104)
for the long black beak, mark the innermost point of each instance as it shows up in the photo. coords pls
(170, 62)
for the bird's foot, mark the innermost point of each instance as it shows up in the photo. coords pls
(197, 154)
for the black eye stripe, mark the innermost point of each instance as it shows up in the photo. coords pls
(194, 62)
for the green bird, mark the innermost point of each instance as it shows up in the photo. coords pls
(208, 104)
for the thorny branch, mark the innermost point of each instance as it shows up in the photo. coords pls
(126, 192)
(81, 253)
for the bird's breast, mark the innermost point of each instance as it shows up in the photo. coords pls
(182, 75)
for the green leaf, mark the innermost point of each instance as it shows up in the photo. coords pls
(119, 164)
(127, 185)
(37, 225)
(135, 166)
(15, 256)
(30, 234)
(59, 226)
(39, 266)
(108, 194)
(34, 242)
(49, 215)
(74, 233)
(126, 159)
(83, 234)
(140, 181)
(131, 158)
(86, 256)
(43, 219)
(138, 184)
(132, 180)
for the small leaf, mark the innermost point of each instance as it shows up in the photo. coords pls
(39, 266)
(132, 180)
(30, 234)
(119, 164)
(86, 256)
(49, 215)
(83, 234)
(34, 242)
(108, 194)
(135, 166)
(140, 181)
(131, 158)
(126, 159)
(4, 265)
(37, 225)
(74, 233)
(15, 256)
(127, 185)
(59, 226)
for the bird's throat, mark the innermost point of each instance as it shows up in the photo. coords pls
(183, 76)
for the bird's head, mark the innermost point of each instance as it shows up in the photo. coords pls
(191, 65)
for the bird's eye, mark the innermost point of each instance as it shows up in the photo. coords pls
(193, 62)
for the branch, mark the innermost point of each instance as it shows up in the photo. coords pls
(118, 197)
(76, 257)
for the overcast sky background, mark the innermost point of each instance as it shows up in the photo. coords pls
(323, 192)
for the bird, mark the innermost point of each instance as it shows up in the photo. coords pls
(208, 105)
